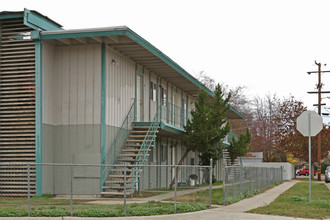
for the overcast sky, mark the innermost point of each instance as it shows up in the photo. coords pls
(267, 46)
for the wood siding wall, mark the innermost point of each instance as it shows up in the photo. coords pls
(72, 89)
(120, 87)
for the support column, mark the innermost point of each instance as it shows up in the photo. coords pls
(38, 115)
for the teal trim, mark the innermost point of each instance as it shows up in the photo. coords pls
(143, 94)
(59, 35)
(103, 106)
(234, 110)
(136, 101)
(149, 97)
(11, 15)
(166, 59)
(35, 35)
(171, 128)
(35, 21)
(187, 110)
(142, 123)
(226, 144)
(38, 115)
(167, 106)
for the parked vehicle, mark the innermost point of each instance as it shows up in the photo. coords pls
(297, 172)
(305, 172)
(327, 174)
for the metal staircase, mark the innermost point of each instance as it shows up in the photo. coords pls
(114, 184)
(17, 108)
(133, 153)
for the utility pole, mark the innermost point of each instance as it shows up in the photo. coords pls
(319, 104)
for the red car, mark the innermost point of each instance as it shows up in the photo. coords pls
(305, 172)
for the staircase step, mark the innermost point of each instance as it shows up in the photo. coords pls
(120, 176)
(127, 155)
(117, 182)
(141, 127)
(139, 132)
(140, 136)
(126, 160)
(121, 170)
(132, 150)
(138, 141)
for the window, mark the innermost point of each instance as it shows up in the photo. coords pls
(153, 91)
(164, 96)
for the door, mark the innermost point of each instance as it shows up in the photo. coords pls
(139, 98)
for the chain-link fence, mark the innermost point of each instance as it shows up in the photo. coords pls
(239, 180)
(78, 187)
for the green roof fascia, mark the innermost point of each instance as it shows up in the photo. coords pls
(131, 34)
(81, 34)
(11, 15)
(237, 112)
(171, 128)
(35, 21)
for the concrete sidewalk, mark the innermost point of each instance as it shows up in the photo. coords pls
(234, 211)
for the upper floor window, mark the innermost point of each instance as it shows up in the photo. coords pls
(153, 91)
(164, 96)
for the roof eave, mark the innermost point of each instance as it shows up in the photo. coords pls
(123, 30)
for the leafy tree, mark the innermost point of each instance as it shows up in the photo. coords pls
(239, 147)
(290, 140)
(208, 126)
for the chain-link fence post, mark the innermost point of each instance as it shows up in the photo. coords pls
(71, 190)
(175, 185)
(210, 176)
(29, 208)
(232, 182)
(125, 188)
(224, 187)
(240, 178)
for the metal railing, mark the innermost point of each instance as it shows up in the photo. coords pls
(149, 139)
(174, 115)
(239, 180)
(118, 142)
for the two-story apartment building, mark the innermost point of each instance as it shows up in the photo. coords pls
(96, 96)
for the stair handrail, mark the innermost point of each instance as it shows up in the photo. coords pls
(144, 149)
(114, 149)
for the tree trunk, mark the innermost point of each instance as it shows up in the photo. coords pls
(177, 169)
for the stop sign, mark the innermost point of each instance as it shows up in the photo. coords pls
(309, 123)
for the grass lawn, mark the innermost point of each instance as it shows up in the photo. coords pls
(202, 197)
(307, 179)
(294, 202)
(48, 206)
